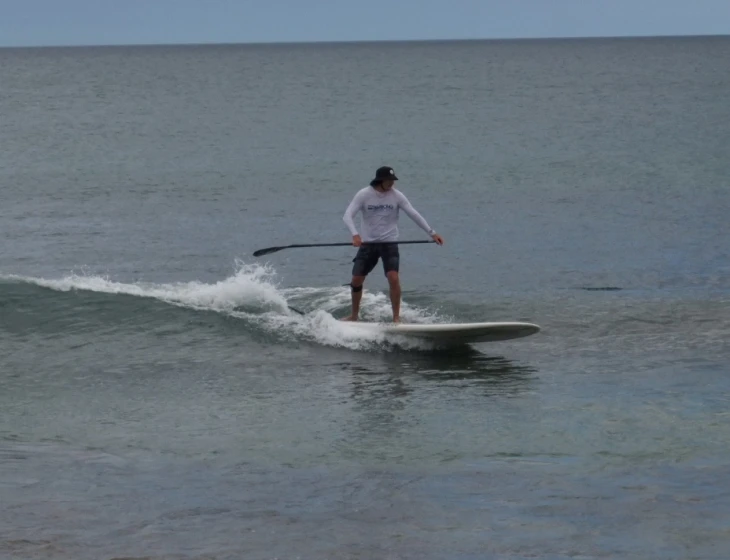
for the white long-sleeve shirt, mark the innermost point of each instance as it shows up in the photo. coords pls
(380, 210)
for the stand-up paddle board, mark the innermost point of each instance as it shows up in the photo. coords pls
(451, 333)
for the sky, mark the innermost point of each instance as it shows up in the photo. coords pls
(114, 22)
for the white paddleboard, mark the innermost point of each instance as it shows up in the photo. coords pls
(459, 333)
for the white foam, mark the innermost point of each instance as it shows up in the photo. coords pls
(249, 286)
(251, 294)
(321, 327)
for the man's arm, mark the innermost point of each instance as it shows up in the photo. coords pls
(352, 210)
(414, 215)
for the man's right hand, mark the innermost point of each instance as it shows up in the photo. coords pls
(356, 240)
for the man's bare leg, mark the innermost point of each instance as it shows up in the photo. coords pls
(394, 282)
(356, 291)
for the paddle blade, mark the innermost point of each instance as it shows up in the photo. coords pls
(268, 250)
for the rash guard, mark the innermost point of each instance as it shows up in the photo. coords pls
(380, 210)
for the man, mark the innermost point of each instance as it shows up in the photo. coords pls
(380, 204)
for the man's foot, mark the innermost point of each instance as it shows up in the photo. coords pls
(396, 319)
(350, 318)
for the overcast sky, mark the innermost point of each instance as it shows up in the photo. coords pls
(101, 22)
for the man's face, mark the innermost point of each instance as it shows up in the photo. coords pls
(387, 184)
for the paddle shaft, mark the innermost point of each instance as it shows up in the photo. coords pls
(269, 250)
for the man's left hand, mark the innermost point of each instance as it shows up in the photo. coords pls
(438, 239)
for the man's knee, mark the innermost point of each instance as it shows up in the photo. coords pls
(393, 278)
(356, 284)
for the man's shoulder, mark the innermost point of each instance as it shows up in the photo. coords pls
(399, 195)
(362, 193)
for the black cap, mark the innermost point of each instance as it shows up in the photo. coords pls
(382, 174)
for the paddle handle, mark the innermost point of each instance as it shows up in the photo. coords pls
(269, 250)
(364, 243)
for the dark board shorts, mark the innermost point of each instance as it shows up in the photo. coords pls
(368, 255)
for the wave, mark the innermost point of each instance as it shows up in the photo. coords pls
(251, 294)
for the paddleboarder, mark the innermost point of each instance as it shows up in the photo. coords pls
(380, 204)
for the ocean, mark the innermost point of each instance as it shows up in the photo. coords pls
(159, 399)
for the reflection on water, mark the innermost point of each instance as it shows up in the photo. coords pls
(396, 398)
(398, 374)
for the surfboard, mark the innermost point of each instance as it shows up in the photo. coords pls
(452, 333)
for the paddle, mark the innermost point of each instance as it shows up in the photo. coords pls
(269, 250)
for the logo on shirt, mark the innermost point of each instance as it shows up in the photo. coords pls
(380, 207)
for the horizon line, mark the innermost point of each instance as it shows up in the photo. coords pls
(369, 41)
